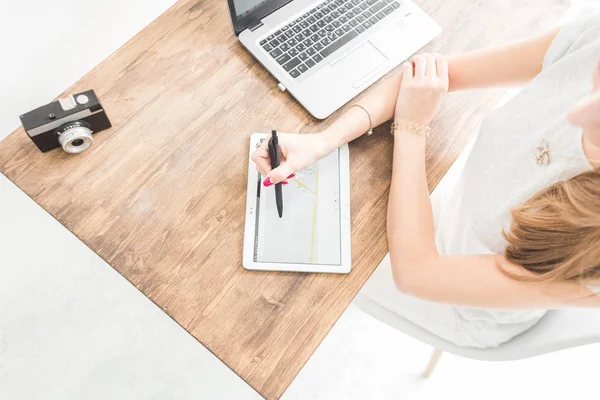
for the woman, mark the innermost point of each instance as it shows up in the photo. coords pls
(520, 233)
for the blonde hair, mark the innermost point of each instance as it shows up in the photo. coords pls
(555, 235)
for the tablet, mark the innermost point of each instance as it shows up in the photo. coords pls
(314, 233)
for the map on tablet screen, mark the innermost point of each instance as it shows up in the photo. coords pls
(309, 231)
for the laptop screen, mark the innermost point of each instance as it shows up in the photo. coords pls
(245, 7)
(244, 13)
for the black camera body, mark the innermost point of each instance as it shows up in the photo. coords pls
(68, 122)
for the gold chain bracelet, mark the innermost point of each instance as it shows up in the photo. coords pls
(417, 129)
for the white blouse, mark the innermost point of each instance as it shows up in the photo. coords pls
(502, 171)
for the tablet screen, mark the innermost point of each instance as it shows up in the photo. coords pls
(309, 231)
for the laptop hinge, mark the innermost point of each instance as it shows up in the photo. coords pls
(255, 25)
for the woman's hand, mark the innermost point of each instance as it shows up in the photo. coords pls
(424, 84)
(298, 152)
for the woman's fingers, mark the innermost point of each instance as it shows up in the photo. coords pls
(442, 68)
(420, 66)
(279, 174)
(430, 67)
(260, 157)
(407, 72)
(420, 95)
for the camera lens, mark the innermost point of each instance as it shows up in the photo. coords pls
(75, 136)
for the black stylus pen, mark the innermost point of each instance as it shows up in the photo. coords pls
(275, 161)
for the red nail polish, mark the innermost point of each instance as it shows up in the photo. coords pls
(267, 182)
(291, 176)
(284, 182)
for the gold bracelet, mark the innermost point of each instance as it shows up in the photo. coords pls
(417, 129)
(370, 131)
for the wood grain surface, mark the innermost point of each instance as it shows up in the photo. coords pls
(161, 196)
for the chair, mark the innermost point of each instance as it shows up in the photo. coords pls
(557, 330)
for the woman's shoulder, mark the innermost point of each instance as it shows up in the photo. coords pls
(580, 30)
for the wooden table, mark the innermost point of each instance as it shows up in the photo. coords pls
(164, 205)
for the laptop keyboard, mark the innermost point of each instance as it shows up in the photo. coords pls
(308, 40)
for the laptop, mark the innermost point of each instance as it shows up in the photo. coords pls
(325, 52)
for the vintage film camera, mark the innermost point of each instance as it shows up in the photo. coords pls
(68, 122)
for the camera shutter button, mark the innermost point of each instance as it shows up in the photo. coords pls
(82, 99)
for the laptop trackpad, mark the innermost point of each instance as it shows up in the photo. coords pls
(361, 63)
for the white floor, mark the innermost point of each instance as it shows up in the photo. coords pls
(72, 328)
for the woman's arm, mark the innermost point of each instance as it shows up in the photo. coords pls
(417, 267)
(508, 64)
(503, 65)
(477, 281)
